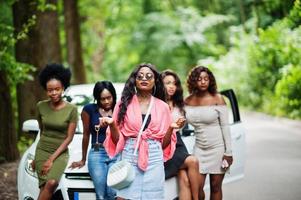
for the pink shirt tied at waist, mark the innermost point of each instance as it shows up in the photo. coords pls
(160, 121)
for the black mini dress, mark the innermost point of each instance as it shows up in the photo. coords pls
(173, 165)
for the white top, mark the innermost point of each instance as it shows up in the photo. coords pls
(176, 114)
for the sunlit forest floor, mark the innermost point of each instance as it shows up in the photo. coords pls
(8, 180)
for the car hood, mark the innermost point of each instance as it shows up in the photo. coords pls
(75, 154)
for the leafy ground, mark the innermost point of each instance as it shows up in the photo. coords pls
(8, 180)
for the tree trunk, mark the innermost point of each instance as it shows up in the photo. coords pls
(242, 14)
(41, 47)
(257, 17)
(8, 135)
(74, 49)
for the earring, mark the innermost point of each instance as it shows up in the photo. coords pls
(135, 89)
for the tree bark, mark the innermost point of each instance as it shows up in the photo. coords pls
(41, 47)
(242, 14)
(8, 141)
(74, 49)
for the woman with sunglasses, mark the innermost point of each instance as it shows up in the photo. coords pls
(98, 160)
(157, 144)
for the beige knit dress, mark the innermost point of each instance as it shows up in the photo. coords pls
(212, 133)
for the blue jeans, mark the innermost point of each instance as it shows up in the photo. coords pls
(98, 165)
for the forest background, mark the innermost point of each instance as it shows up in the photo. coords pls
(252, 46)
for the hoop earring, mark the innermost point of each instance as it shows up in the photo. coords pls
(154, 91)
(135, 89)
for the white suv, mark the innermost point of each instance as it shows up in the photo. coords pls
(76, 184)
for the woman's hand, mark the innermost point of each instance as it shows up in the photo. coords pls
(105, 121)
(179, 123)
(78, 164)
(46, 167)
(229, 160)
(33, 165)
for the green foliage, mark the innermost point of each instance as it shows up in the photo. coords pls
(275, 48)
(294, 18)
(44, 6)
(16, 71)
(123, 36)
(288, 92)
(264, 69)
(177, 39)
(24, 143)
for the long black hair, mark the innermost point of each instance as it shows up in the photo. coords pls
(129, 89)
(99, 87)
(177, 98)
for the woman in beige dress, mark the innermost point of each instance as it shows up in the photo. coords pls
(207, 112)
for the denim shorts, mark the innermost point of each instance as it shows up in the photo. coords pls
(98, 165)
(147, 184)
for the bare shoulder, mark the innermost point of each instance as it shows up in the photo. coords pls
(219, 99)
(190, 100)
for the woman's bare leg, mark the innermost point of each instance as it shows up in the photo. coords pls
(184, 185)
(202, 179)
(216, 181)
(47, 190)
(191, 164)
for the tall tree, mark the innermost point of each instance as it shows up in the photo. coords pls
(8, 150)
(11, 73)
(74, 49)
(242, 13)
(41, 47)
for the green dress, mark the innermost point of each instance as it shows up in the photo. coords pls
(55, 125)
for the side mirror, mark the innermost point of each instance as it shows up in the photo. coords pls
(31, 126)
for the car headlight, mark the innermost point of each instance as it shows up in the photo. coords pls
(28, 166)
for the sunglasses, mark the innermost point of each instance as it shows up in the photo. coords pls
(147, 76)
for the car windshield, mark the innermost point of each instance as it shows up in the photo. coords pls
(80, 100)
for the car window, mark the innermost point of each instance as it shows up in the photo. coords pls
(80, 100)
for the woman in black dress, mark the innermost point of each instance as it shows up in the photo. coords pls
(182, 164)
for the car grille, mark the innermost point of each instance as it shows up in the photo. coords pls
(81, 194)
(81, 176)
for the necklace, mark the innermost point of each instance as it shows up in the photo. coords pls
(105, 113)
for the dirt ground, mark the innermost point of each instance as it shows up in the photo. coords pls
(8, 181)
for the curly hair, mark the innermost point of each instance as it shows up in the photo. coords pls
(177, 98)
(193, 78)
(99, 87)
(129, 89)
(55, 71)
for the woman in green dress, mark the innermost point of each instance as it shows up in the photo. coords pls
(57, 120)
